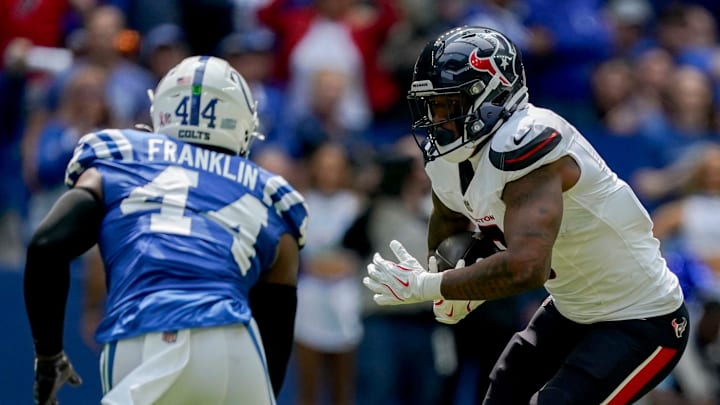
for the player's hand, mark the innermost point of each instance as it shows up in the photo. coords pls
(50, 375)
(451, 311)
(404, 282)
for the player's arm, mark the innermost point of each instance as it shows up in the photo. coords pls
(69, 230)
(534, 207)
(273, 301)
(443, 222)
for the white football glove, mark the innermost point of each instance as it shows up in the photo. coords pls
(405, 282)
(451, 311)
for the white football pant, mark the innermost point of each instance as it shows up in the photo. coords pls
(208, 366)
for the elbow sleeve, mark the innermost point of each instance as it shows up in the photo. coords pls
(273, 307)
(70, 229)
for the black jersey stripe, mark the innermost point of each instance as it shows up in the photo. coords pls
(467, 172)
(521, 158)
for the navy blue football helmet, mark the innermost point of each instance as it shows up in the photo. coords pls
(480, 70)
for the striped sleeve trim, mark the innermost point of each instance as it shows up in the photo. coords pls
(108, 144)
(525, 156)
(288, 203)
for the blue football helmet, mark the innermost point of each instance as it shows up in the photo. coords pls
(481, 71)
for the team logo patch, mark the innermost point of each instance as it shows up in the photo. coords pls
(169, 337)
(486, 65)
(680, 326)
(165, 119)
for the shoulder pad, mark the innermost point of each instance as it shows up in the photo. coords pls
(524, 148)
(111, 144)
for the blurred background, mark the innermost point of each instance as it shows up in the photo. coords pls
(639, 78)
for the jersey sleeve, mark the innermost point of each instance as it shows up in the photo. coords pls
(289, 204)
(95, 146)
(529, 148)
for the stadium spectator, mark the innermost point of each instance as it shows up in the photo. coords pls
(334, 34)
(83, 108)
(252, 53)
(328, 328)
(163, 47)
(561, 49)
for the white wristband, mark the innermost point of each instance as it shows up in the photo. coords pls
(430, 286)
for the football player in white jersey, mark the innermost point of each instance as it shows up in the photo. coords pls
(615, 323)
(200, 248)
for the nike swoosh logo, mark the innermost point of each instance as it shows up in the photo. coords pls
(518, 139)
(403, 283)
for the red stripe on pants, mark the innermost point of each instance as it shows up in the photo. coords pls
(641, 376)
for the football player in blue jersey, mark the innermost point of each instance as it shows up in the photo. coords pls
(615, 323)
(200, 247)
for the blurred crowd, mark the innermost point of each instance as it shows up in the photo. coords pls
(640, 78)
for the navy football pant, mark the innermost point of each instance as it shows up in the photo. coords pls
(556, 361)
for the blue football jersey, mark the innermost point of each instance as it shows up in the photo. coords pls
(187, 230)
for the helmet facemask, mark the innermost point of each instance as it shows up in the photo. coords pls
(442, 118)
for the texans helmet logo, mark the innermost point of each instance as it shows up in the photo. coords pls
(500, 64)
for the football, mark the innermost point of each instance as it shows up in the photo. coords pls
(468, 245)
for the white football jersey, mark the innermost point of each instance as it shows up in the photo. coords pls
(607, 264)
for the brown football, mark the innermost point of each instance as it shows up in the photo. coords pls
(468, 245)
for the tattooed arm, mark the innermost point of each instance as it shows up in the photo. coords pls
(534, 208)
